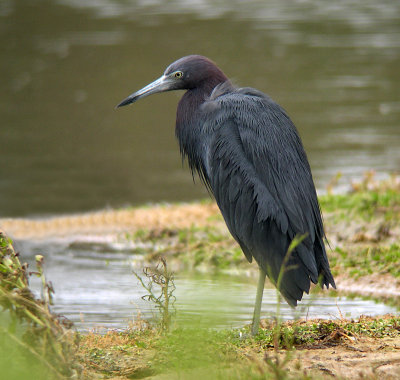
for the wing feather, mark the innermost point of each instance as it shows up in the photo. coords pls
(259, 174)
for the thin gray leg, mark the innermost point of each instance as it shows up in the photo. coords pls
(257, 307)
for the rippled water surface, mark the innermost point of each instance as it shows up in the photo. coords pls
(95, 288)
(65, 64)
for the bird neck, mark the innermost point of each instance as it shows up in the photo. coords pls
(188, 107)
(188, 125)
(189, 132)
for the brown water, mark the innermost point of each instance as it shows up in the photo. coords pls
(64, 65)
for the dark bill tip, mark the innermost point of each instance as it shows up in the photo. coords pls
(125, 102)
(159, 85)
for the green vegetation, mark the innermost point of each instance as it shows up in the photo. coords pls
(363, 204)
(159, 276)
(303, 334)
(366, 201)
(33, 342)
(191, 248)
(366, 261)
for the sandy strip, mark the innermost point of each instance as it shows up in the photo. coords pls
(380, 286)
(111, 221)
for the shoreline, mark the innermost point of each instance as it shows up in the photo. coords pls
(150, 223)
(363, 228)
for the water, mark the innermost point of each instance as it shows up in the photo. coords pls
(95, 288)
(65, 64)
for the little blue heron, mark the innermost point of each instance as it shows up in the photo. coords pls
(249, 154)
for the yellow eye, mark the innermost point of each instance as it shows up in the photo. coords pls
(178, 74)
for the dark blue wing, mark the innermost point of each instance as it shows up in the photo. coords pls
(259, 174)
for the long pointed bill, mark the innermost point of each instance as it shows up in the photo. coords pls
(160, 85)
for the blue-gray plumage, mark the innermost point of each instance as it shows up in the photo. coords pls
(248, 152)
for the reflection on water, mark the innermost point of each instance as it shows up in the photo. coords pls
(95, 288)
(65, 64)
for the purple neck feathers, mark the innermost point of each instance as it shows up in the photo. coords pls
(189, 121)
(193, 98)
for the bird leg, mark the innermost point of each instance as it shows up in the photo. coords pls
(257, 307)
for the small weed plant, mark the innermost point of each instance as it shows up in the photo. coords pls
(34, 343)
(159, 276)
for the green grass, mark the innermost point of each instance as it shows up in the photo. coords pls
(363, 261)
(192, 247)
(367, 200)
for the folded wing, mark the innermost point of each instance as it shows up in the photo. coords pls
(259, 174)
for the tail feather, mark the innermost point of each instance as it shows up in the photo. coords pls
(292, 275)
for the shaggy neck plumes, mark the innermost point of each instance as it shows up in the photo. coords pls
(189, 122)
(195, 96)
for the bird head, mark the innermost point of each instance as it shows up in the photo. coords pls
(186, 73)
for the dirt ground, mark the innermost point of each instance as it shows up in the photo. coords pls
(350, 358)
(339, 354)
